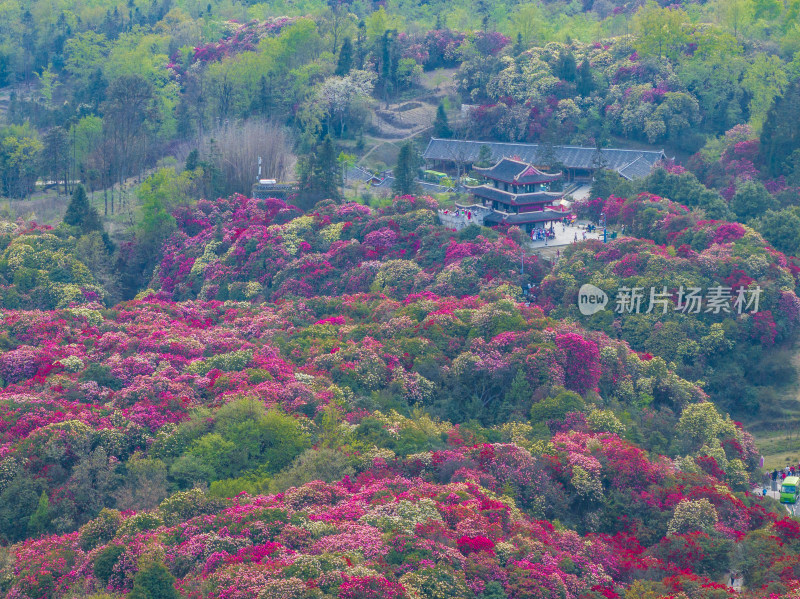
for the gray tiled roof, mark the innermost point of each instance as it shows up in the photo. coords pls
(510, 170)
(490, 193)
(637, 161)
(356, 173)
(638, 169)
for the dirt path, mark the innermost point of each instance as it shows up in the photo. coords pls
(393, 142)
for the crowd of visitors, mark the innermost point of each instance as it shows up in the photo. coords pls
(779, 476)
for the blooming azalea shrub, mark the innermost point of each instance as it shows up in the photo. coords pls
(704, 341)
(372, 412)
(463, 537)
(236, 39)
(40, 269)
(253, 250)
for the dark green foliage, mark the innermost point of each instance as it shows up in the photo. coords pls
(320, 175)
(101, 374)
(494, 590)
(484, 156)
(55, 156)
(686, 189)
(154, 582)
(566, 68)
(607, 183)
(345, 62)
(441, 127)
(192, 160)
(752, 200)
(519, 46)
(405, 173)
(81, 214)
(780, 135)
(388, 62)
(517, 399)
(781, 229)
(555, 408)
(18, 502)
(104, 562)
(585, 79)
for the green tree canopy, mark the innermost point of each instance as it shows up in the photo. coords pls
(441, 127)
(81, 214)
(405, 173)
(751, 200)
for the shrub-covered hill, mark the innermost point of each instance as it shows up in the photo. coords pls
(116, 408)
(457, 523)
(43, 268)
(738, 356)
(388, 417)
(246, 249)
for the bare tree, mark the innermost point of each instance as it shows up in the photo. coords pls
(239, 146)
(459, 153)
(129, 112)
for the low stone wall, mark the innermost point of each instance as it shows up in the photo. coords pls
(452, 221)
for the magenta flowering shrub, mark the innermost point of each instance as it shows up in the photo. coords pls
(582, 362)
(687, 253)
(238, 38)
(355, 403)
(446, 537)
(255, 250)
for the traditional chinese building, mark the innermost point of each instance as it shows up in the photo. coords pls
(580, 163)
(517, 193)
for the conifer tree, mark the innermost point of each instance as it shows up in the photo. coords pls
(345, 63)
(484, 156)
(780, 134)
(585, 80)
(327, 173)
(405, 173)
(320, 174)
(441, 127)
(519, 46)
(81, 214)
(566, 68)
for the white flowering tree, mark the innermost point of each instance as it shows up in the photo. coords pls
(340, 96)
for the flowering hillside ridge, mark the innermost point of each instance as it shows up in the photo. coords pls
(357, 403)
(403, 527)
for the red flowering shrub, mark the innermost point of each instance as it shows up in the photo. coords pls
(469, 545)
(581, 362)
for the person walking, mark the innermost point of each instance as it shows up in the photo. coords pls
(775, 479)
